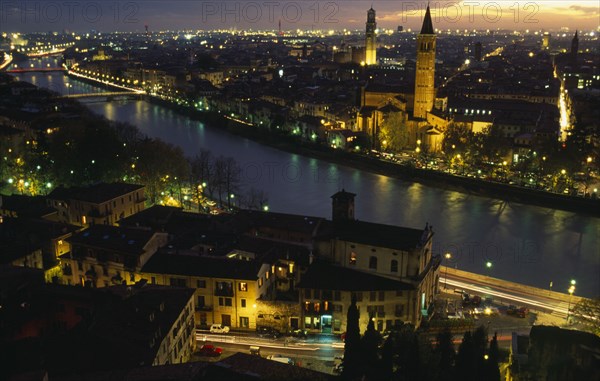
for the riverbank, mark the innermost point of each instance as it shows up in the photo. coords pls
(442, 180)
(362, 162)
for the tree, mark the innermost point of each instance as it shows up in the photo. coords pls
(408, 356)
(492, 370)
(457, 138)
(227, 178)
(493, 145)
(86, 151)
(446, 354)
(480, 344)
(232, 176)
(160, 165)
(393, 132)
(352, 353)
(587, 312)
(202, 172)
(465, 366)
(370, 348)
(387, 359)
(256, 199)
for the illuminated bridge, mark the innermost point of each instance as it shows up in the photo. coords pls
(112, 94)
(35, 69)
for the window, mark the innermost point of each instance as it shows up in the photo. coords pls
(307, 322)
(358, 295)
(399, 310)
(243, 302)
(307, 294)
(224, 289)
(337, 296)
(200, 302)
(200, 283)
(260, 282)
(353, 258)
(381, 296)
(176, 282)
(153, 280)
(225, 302)
(394, 266)
(243, 286)
(373, 262)
(398, 292)
(244, 322)
(373, 296)
(317, 307)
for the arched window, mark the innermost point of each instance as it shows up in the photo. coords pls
(394, 266)
(373, 262)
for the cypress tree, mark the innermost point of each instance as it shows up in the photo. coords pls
(446, 354)
(370, 348)
(353, 368)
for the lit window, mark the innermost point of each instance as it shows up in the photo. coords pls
(243, 286)
(353, 258)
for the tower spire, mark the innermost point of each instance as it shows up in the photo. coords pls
(427, 27)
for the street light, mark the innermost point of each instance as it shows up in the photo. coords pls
(571, 291)
(448, 256)
(488, 264)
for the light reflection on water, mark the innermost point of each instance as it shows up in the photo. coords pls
(527, 244)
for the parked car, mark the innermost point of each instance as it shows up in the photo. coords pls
(281, 359)
(264, 331)
(210, 350)
(517, 311)
(470, 300)
(219, 328)
(338, 368)
(455, 315)
(490, 311)
(300, 333)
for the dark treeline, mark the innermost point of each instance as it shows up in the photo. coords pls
(407, 355)
(87, 149)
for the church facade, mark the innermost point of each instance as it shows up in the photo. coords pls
(420, 127)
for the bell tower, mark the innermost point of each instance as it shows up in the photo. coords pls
(342, 206)
(371, 39)
(425, 70)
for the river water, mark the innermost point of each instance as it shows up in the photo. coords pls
(526, 244)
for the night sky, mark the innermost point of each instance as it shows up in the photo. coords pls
(123, 15)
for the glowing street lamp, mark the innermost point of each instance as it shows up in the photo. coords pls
(447, 256)
(571, 291)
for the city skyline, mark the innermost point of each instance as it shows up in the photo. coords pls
(132, 16)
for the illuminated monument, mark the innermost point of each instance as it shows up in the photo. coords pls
(425, 70)
(370, 39)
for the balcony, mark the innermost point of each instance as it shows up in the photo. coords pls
(224, 292)
(204, 308)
